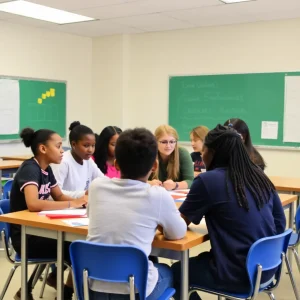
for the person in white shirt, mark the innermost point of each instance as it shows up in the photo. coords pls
(77, 169)
(128, 211)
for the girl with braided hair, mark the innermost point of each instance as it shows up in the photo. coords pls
(240, 206)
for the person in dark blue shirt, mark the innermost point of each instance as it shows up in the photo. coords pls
(240, 206)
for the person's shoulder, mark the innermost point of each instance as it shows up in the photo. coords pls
(30, 164)
(100, 181)
(158, 193)
(195, 155)
(183, 150)
(214, 176)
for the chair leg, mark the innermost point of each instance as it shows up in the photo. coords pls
(44, 281)
(11, 274)
(37, 274)
(296, 257)
(292, 278)
(271, 295)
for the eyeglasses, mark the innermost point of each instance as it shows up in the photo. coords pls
(168, 142)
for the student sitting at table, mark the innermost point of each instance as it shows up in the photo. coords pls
(77, 170)
(241, 127)
(105, 151)
(240, 206)
(175, 169)
(33, 184)
(197, 136)
(141, 208)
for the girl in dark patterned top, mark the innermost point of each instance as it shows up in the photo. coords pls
(32, 186)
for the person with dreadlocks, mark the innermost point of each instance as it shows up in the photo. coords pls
(240, 206)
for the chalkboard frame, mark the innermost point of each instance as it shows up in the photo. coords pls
(259, 146)
(64, 138)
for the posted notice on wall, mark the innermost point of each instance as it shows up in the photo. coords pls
(9, 106)
(291, 132)
(269, 130)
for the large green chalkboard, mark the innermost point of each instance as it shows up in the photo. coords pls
(212, 99)
(42, 105)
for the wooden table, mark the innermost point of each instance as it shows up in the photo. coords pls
(8, 167)
(286, 184)
(33, 224)
(17, 157)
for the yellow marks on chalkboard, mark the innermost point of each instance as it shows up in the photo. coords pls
(47, 94)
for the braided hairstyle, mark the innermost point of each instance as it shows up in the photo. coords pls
(230, 152)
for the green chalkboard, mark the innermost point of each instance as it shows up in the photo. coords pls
(42, 105)
(212, 99)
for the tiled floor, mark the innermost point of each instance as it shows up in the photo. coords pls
(284, 291)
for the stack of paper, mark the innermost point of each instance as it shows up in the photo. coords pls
(64, 213)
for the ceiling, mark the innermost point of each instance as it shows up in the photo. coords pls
(138, 16)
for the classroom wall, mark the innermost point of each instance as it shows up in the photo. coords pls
(31, 52)
(153, 57)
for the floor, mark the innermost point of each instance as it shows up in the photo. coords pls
(284, 291)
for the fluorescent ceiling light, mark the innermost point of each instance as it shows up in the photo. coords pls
(234, 1)
(41, 12)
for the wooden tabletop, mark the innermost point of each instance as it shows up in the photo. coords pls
(16, 157)
(10, 164)
(194, 236)
(288, 184)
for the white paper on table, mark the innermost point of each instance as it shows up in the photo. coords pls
(180, 199)
(9, 106)
(66, 212)
(269, 130)
(291, 109)
(77, 222)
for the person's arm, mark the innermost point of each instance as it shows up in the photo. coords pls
(61, 172)
(96, 172)
(197, 203)
(186, 169)
(278, 214)
(186, 173)
(35, 204)
(172, 225)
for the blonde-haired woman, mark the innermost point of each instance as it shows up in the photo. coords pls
(175, 170)
(197, 136)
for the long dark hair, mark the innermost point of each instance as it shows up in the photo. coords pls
(101, 151)
(230, 152)
(241, 127)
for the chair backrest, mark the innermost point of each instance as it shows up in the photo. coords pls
(5, 209)
(110, 263)
(267, 252)
(4, 203)
(297, 220)
(7, 188)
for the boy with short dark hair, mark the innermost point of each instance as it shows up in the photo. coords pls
(128, 211)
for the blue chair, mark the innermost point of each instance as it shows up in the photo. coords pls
(7, 188)
(111, 263)
(295, 238)
(16, 261)
(265, 254)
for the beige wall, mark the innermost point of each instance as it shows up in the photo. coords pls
(123, 80)
(153, 57)
(29, 52)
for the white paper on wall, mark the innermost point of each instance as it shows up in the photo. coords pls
(291, 121)
(9, 106)
(269, 130)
